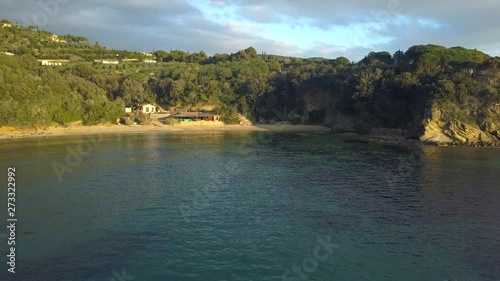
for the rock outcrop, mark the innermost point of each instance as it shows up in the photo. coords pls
(434, 127)
(244, 121)
(441, 129)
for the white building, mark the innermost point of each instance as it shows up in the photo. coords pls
(149, 61)
(53, 62)
(55, 38)
(147, 108)
(8, 54)
(107, 61)
(9, 24)
(110, 62)
(128, 109)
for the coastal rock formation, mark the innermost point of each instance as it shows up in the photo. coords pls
(440, 129)
(244, 121)
(436, 127)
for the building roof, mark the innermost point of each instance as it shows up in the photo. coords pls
(100, 60)
(54, 60)
(195, 114)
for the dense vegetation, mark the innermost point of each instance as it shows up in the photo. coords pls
(383, 89)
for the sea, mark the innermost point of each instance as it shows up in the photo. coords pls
(245, 206)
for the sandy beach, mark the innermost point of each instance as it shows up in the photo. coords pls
(16, 133)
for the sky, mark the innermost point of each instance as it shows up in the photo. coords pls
(302, 28)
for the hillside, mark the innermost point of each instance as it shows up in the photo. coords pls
(436, 94)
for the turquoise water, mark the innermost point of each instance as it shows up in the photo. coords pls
(244, 206)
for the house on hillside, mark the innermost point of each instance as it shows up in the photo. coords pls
(128, 109)
(107, 61)
(148, 61)
(49, 62)
(130, 60)
(55, 38)
(6, 24)
(147, 108)
(147, 54)
(8, 54)
(197, 116)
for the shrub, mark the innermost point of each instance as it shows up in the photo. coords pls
(170, 121)
(142, 119)
(295, 120)
(127, 121)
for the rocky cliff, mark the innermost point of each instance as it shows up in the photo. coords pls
(441, 129)
(434, 125)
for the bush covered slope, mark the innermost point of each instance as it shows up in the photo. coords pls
(32, 95)
(437, 94)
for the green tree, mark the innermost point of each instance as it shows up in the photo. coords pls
(161, 55)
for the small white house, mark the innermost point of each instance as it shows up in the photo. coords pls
(107, 61)
(149, 61)
(128, 109)
(110, 62)
(130, 60)
(49, 62)
(8, 54)
(53, 62)
(6, 24)
(147, 108)
(55, 38)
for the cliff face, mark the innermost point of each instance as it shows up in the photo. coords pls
(438, 95)
(435, 125)
(440, 129)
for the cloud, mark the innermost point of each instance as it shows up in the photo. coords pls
(306, 28)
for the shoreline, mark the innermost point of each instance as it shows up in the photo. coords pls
(11, 133)
(381, 139)
(400, 141)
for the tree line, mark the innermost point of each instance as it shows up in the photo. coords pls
(382, 89)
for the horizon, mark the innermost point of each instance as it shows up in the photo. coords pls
(298, 29)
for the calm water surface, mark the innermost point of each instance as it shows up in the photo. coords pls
(233, 206)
